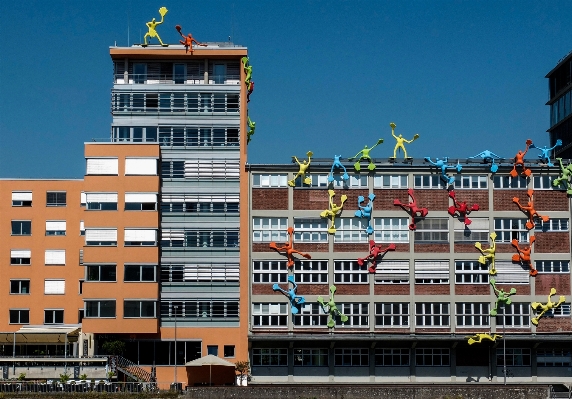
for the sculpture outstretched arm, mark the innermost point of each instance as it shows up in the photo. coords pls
(296, 159)
(356, 155)
(430, 161)
(380, 141)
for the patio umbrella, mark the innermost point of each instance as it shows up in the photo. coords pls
(209, 360)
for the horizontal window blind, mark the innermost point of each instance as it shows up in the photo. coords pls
(101, 234)
(54, 287)
(21, 196)
(83, 198)
(140, 197)
(55, 257)
(212, 169)
(141, 166)
(431, 270)
(102, 166)
(56, 225)
(140, 235)
(215, 272)
(511, 273)
(476, 224)
(20, 253)
(200, 198)
(101, 197)
(392, 270)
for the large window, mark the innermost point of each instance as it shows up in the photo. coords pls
(471, 272)
(391, 230)
(55, 227)
(553, 266)
(392, 314)
(214, 273)
(194, 136)
(140, 273)
(552, 225)
(56, 198)
(54, 287)
(269, 180)
(350, 230)
(311, 357)
(21, 227)
(21, 198)
(432, 314)
(102, 166)
(310, 230)
(478, 230)
(140, 237)
(472, 314)
(392, 272)
(19, 316)
(390, 181)
(514, 357)
(103, 237)
(269, 229)
(101, 201)
(269, 272)
(139, 309)
(392, 357)
(140, 201)
(431, 272)
(471, 181)
(311, 271)
(19, 286)
(544, 182)
(317, 180)
(514, 315)
(355, 181)
(200, 204)
(311, 315)
(20, 257)
(357, 313)
(102, 308)
(207, 310)
(269, 314)
(428, 181)
(351, 357)
(53, 316)
(55, 257)
(269, 357)
(349, 272)
(511, 229)
(511, 273)
(101, 273)
(227, 169)
(510, 182)
(141, 166)
(553, 357)
(432, 230)
(432, 356)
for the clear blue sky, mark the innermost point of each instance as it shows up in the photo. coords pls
(330, 75)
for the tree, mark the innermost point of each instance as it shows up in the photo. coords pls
(243, 370)
(115, 347)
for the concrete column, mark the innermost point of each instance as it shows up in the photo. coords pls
(453, 361)
(533, 364)
(291, 362)
(412, 363)
(372, 362)
(331, 363)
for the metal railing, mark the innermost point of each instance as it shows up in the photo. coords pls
(129, 368)
(147, 78)
(82, 386)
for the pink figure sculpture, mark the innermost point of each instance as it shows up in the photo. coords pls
(289, 248)
(523, 255)
(519, 161)
(374, 252)
(412, 209)
(461, 209)
(529, 209)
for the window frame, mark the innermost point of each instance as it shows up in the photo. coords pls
(351, 357)
(429, 355)
(275, 270)
(269, 357)
(57, 313)
(391, 232)
(99, 302)
(311, 271)
(347, 271)
(310, 229)
(276, 229)
(21, 227)
(350, 230)
(57, 200)
(141, 273)
(395, 181)
(427, 318)
(432, 231)
(399, 312)
(140, 302)
(20, 313)
(89, 269)
(21, 286)
(476, 273)
(517, 228)
(391, 354)
(277, 311)
(472, 314)
(269, 180)
(310, 357)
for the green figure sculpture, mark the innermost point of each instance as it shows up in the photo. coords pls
(331, 308)
(251, 128)
(565, 175)
(152, 25)
(365, 155)
(502, 296)
(247, 71)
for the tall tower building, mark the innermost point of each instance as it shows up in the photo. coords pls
(560, 101)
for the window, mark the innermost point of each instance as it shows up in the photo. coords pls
(390, 181)
(140, 237)
(140, 273)
(392, 357)
(200, 203)
(81, 228)
(140, 201)
(391, 230)
(20, 257)
(311, 315)
(478, 230)
(56, 198)
(200, 239)
(269, 229)
(269, 180)
(103, 308)
(358, 315)
(173, 169)
(21, 198)
(54, 287)
(350, 230)
(432, 314)
(19, 316)
(310, 230)
(392, 272)
(432, 356)
(552, 225)
(55, 227)
(471, 272)
(317, 180)
(228, 351)
(351, 357)
(510, 182)
(136, 133)
(470, 181)
(544, 182)
(141, 166)
(561, 311)
(514, 357)
(269, 314)
(428, 181)
(392, 314)
(19, 286)
(553, 266)
(55, 257)
(101, 201)
(53, 316)
(207, 310)
(102, 166)
(553, 358)
(269, 357)
(431, 272)
(104, 237)
(21, 227)
(511, 273)
(509, 229)
(311, 271)
(212, 169)
(349, 272)
(432, 230)
(227, 273)
(269, 272)
(101, 273)
(472, 314)
(355, 181)
(514, 315)
(212, 350)
(139, 309)
(311, 357)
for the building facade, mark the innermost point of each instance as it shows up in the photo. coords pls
(560, 102)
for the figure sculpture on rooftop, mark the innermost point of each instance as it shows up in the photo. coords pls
(530, 211)
(188, 40)
(461, 208)
(152, 25)
(375, 252)
(288, 248)
(545, 152)
(365, 211)
(502, 296)
(400, 140)
(519, 161)
(478, 338)
(331, 308)
(364, 155)
(565, 177)
(337, 165)
(443, 165)
(548, 307)
(523, 254)
(303, 170)
(488, 255)
(488, 156)
(296, 301)
(412, 208)
(333, 210)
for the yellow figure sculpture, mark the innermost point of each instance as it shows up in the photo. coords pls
(488, 255)
(545, 308)
(334, 210)
(478, 338)
(400, 140)
(152, 31)
(303, 169)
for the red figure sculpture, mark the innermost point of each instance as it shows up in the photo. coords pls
(523, 255)
(461, 209)
(289, 248)
(529, 208)
(412, 209)
(519, 161)
(374, 252)
(250, 90)
(188, 41)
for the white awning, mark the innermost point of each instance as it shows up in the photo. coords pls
(42, 334)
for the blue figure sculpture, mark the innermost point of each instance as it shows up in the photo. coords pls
(442, 164)
(337, 164)
(545, 152)
(295, 300)
(489, 156)
(365, 211)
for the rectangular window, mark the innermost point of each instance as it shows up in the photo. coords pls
(351, 357)
(101, 273)
(544, 182)
(20, 257)
(19, 316)
(553, 266)
(201, 310)
(21, 198)
(431, 272)
(228, 351)
(432, 357)
(55, 257)
(392, 272)
(139, 309)
(200, 203)
(141, 166)
(561, 311)
(432, 230)
(269, 229)
(103, 308)
(515, 357)
(511, 229)
(350, 230)
(391, 230)
(355, 181)
(103, 237)
(471, 181)
(20, 287)
(510, 182)
(55, 227)
(311, 357)
(392, 314)
(21, 227)
(392, 357)
(101, 201)
(212, 169)
(140, 273)
(432, 314)
(53, 316)
(514, 315)
(200, 239)
(102, 166)
(228, 273)
(310, 230)
(471, 272)
(478, 230)
(269, 272)
(269, 357)
(140, 237)
(429, 181)
(311, 271)
(390, 181)
(56, 198)
(54, 287)
(269, 314)
(311, 315)
(357, 313)
(553, 358)
(317, 180)
(212, 350)
(140, 201)
(511, 273)
(552, 225)
(349, 272)
(472, 314)
(269, 180)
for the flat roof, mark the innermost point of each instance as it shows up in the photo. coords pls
(562, 61)
(213, 49)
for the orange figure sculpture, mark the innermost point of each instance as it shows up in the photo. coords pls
(529, 208)
(188, 41)
(519, 161)
(289, 248)
(523, 255)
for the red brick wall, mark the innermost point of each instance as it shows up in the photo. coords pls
(312, 247)
(554, 324)
(472, 289)
(480, 197)
(310, 199)
(263, 247)
(503, 248)
(432, 289)
(384, 199)
(468, 248)
(269, 198)
(391, 289)
(434, 200)
(352, 289)
(543, 283)
(362, 247)
(264, 289)
(392, 330)
(521, 289)
(550, 200)
(419, 247)
(552, 242)
(314, 289)
(502, 199)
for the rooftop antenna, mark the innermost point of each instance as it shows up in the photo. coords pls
(231, 23)
(127, 28)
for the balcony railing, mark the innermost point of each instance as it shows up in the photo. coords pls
(176, 79)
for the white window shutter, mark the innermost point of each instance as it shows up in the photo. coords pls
(140, 235)
(432, 270)
(20, 253)
(102, 166)
(55, 257)
(392, 270)
(511, 273)
(55, 225)
(54, 287)
(21, 196)
(83, 198)
(141, 166)
(101, 197)
(140, 197)
(101, 234)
